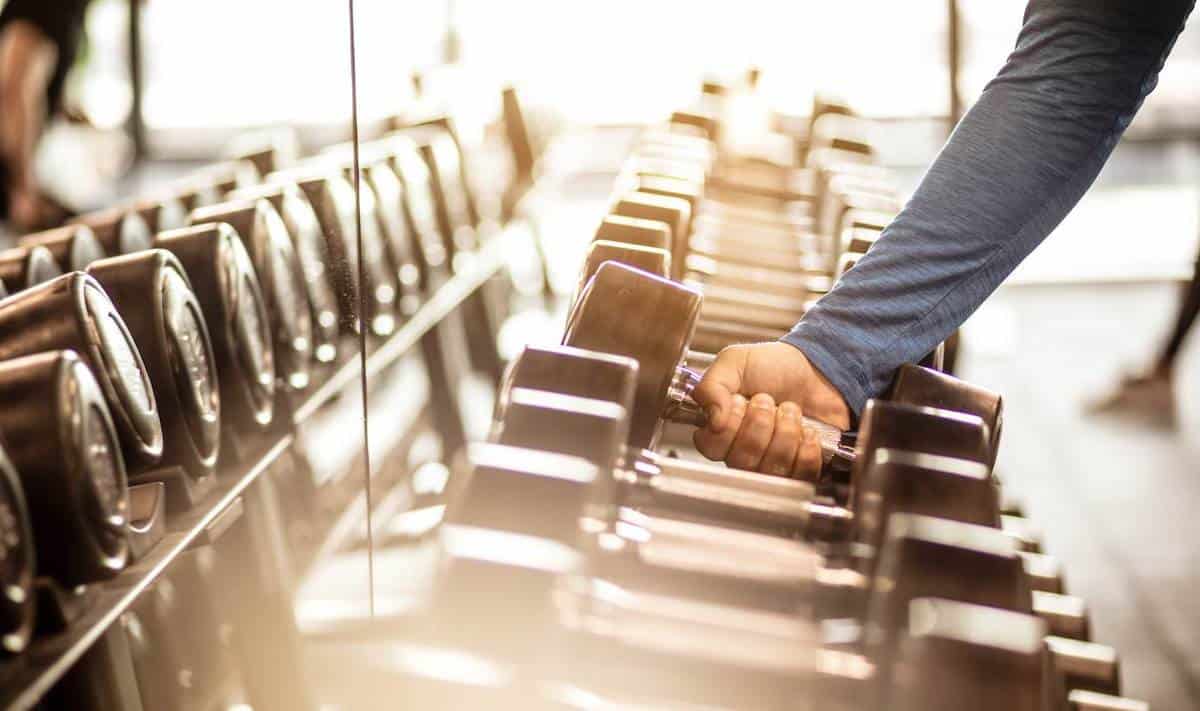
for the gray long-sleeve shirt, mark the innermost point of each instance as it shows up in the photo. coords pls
(1015, 166)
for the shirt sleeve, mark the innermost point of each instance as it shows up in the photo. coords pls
(1014, 167)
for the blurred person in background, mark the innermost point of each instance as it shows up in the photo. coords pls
(1149, 395)
(39, 41)
(1017, 163)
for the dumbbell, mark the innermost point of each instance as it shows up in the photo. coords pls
(280, 276)
(629, 312)
(161, 213)
(440, 153)
(119, 230)
(958, 655)
(959, 487)
(685, 178)
(781, 296)
(780, 250)
(64, 448)
(23, 267)
(484, 520)
(234, 310)
(17, 561)
(192, 193)
(918, 555)
(456, 170)
(224, 177)
(333, 200)
(152, 292)
(561, 399)
(309, 244)
(419, 208)
(758, 313)
(73, 312)
(895, 480)
(74, 247)
(385, 199)
(738, 318)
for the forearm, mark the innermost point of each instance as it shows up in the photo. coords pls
(1015, 166)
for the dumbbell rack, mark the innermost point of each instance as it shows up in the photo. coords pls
(27, 678)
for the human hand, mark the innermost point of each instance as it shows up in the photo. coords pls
(755, 396)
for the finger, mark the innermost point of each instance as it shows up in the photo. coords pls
(754, 435)
(780, 456)
(720, 383)
(807, 465)
(715, 445)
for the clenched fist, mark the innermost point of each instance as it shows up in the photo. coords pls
(754, 396)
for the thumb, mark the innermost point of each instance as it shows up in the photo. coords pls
(720, 383)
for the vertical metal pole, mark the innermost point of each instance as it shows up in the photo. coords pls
(136, 124)
(953, 60)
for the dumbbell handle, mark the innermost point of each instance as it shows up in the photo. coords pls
(683, 408)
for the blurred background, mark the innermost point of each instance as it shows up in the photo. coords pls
(162, 86)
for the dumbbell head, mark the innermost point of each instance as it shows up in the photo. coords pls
(594, 430)
(23, 267)
(438, 150)
(225, 284)
(507, 483)
(859, 239)
(161, 213)
(842, 132)
(419, 204)
(333, 202)
(119, 230)
(671, 210)
(628, 312)
(73, 312)
(395, 229)
(265, 237)
(63, 445)
(227, 176)
(900, 481)
(1075, 664)
(918, 428)
(923, 556)
(686, 190)
(495, 589)
(655, 234)
(74, 247)
(154, 296)
(571, 371)
(193, 193)
(923, 386)
(706, 123)
(649, 259)
(846, 262)
(958, 656)
(17, 563)
(305, 232)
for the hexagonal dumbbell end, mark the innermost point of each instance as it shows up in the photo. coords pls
(923, 386)
(74, 247)
(525, 491)
(962, 656)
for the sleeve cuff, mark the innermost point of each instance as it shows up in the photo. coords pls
(816, 346)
